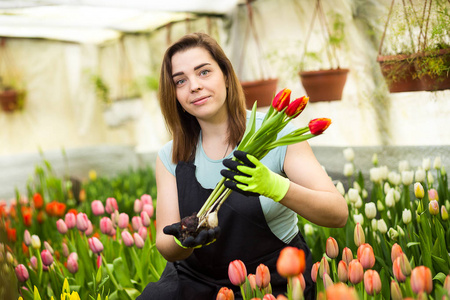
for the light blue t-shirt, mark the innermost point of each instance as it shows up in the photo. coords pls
(280, 219)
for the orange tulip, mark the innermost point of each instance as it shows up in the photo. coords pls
(366, 256)
(11, 234)
(398, 271)
(359, 235)
(396, 251)
(421, 280)
(225, 294)
(332, 248)
(314, 271)
(252, 281)
(405, 266)
(302, 281)
(319, 125)
(38, 201)
(282, 99)
(291, 262)
(347, 255)
(262, 276)
(268, 297)
(342, 271)
(281, 297)
(372, 282)
(41, 217)
(327, 281)
(340, 291)
(297, 106)
(237, 272)
(27, 215)
(355, 272)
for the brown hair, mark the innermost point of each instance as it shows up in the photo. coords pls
(184, 127)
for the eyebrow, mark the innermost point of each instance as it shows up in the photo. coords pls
(195, 69)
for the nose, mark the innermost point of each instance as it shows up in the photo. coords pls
(195, 85)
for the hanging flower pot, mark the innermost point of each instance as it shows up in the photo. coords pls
(324, 85)
(259, 90)
(399, 73)
(12, 100)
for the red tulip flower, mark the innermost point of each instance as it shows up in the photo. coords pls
(396, 251)
(262, 276)
(38, 201)
(291, 262)
(397, 270)
(318, 126)
(47, 257)
(314, 271)
(21, 273)
(237, 272)
(297, 106)
(225, 294)
(421, 280)
(282, 99)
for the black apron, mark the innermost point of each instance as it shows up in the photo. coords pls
(245, 235)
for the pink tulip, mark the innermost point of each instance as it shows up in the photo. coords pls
(237, 272)
(396, 251)
(123, 221)
(97, 208)
(347, 255)
(396, 268)
(225, 294)
(143, 233)
(137, 206)
(106, 225)
(70, 220)
(65, 250)
(262, 276)
(95, 245)
(327, 281)
(355, 272)
(342, 271)
(99, 261)
(127, 238)
(138, 240)
(82, 222)
(72, 263)
(136, 223)
(372, 282)
(252, 281)
(90, 229)
(27, 237)
(61, 226)
(332, 248)
(22, 273)
(433, 207)
(421, 280)
(433, 195)
(111, 205)
(48, 247)
(148, 208)
(47, 257)
(366, 256)
(145, 219)
(146, 199)
(34, 262)
(269, 297)
(115, 218)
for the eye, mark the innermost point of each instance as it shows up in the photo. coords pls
(180, 81)
(204, 72)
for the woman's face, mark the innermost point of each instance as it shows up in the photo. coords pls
(200, 84)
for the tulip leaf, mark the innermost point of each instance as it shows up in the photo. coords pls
(385, 281)
(440, 276)
(439, 264)
(36, 294)
(250, 129)
(122, 274)
(410, 244)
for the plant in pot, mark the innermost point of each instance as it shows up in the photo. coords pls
(263, 89)
(12, 96)
(313, 75)
(416, 55)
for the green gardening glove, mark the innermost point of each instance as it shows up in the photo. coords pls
(248, 175)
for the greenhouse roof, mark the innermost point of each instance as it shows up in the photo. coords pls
(96, 21)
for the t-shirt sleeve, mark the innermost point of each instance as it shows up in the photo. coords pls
(165, 154)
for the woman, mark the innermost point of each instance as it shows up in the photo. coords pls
(204, 108)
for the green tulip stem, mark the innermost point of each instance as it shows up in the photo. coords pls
(333, 267)
(39, 266)
(116, 285)
(138, 267)
(289, 289)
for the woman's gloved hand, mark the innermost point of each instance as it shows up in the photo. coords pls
(204, 237)
(247, 175)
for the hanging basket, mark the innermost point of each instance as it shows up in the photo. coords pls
(12, 100)
(324, 85)
(262, 91)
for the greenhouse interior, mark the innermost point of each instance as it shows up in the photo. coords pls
(90, 110)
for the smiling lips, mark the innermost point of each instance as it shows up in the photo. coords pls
(200, 100)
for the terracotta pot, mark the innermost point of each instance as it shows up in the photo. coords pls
(324, 85)
(9, 100)
(262, 91)
(398, 71)
(434, 83)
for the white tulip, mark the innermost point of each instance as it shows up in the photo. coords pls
(397, 195)
(400, 231)
(359, 203)
(349, 154)
(308, 229)
(365, 194)
(380, 206)
(389, 215)
(394, 178)
(356, 186)
(370, 210)
(340, 188)
(389, 199)
(426, 164)
(358, 218)
(393, 234)
(382, 227)
(375, 174)
(430, 178)
(406, 216)
(375, 159)
(407, 177)
(348, 169)
(374, 223)
(384, 171)
(353, 195)
(403, 165)
(420, 175)
(386, 187)
(437, 164)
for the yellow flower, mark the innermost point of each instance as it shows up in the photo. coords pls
(92, 175)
